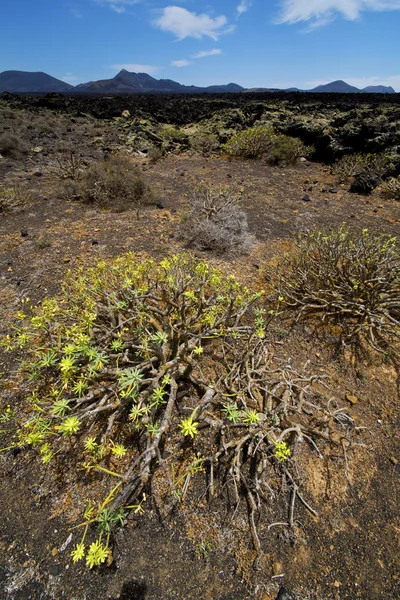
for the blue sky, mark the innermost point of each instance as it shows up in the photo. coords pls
(256, 43)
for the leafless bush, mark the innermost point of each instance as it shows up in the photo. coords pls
(216, 221)
(69, 166)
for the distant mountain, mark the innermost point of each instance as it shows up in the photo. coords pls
(339, 86)
(379, 89)
(127, 83)
(142, 83)
(23, 81)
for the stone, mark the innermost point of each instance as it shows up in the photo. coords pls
(284, 595)
(393, 460)
(352, 399)
(306, 198)
(333, 191)
(364, 183)
(126, 114)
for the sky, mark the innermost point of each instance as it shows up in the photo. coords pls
(255, 43)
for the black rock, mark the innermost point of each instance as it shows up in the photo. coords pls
(160, 205)
(364, 183)
(284, 595)
(24, 233)
(95, 242)
(55, 570)
(306, 198)
(333, 191)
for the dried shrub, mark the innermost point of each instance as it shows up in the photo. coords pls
(348, 279)
(113, 183)
(251, 143)
(391, 188)
(149, 376)
(12, 146)
(67, 166)
(216, 222)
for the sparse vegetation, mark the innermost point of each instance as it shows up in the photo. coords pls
(205, 143)
(348, 279)
(12, 146)
(251, 143)
(113, 183)
(391, 187)
(352, 165)
(134, 359)
(285, 150)
(13, 197)
(215, 221)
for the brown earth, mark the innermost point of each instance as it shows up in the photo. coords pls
(350, 550)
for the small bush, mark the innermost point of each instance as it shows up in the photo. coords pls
(251, 143)
(285, 150)
(352, 165)
(348, 279)
(216, 221)
(12, 146)
(205, 143)
(13, 197)
(154, 154)
(169, 133)
(112, 183)
(391, 188)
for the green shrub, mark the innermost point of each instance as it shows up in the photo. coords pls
(352, 165)
(251, 143)
(348, 279)
(285, 150)
(143, 377)
(114, 183)
(216, 222)
(154, 154)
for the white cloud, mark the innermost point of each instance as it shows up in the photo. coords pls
(180, 63)
(184, 23)
(242, 7)
(118, 6)
(135, 68)
(321, 12)
(204, 53)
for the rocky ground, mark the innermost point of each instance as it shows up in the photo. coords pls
(350, 550)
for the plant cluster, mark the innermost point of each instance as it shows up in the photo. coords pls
(13, 197)
(205, 143)
(346, 278)
(215, 221)
(352, 165)
(69, 166)
(391, 187)
(12, 146)
(263, 141)
(113, 183)
(135, 361)
(251, 143)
